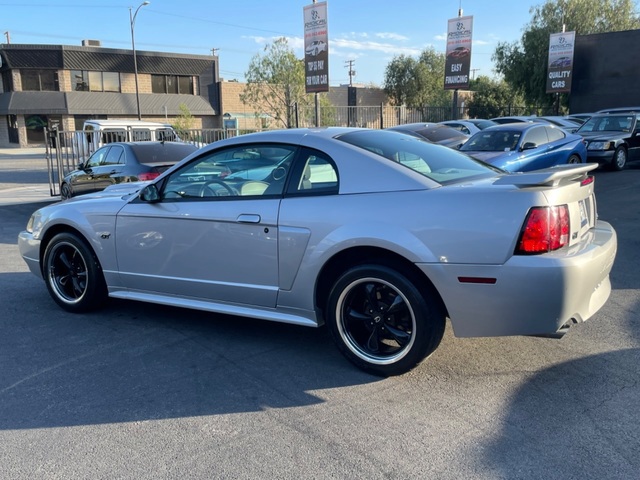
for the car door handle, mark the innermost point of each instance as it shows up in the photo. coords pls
(248, 218)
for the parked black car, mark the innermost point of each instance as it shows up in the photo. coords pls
(434, 133)
(123, 162)
(612, 139)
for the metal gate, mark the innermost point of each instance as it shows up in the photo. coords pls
(66, 150)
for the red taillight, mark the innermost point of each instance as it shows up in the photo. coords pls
(143, 177)
(588, 180)
(545, 229)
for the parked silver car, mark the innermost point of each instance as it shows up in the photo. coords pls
(379, 235)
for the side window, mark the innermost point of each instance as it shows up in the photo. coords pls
(115, 156)
(115, 135)
(316, 174)
(555, 134)
(98, 157)
(537, 136)
(239, 171)
(140, 135)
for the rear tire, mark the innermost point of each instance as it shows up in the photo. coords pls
(73, 275)
(619, 159)
(383, 322)
(574, 159)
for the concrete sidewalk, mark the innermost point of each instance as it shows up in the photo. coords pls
(24, 176)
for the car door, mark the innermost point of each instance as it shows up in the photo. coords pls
(110, 168)
(83, 179)
(535, 150)
(634, 138)
(207, 238)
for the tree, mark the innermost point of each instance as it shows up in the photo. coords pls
(524, 63)
(417, 82)
(275, 80)
(183, 122)
(491, 98)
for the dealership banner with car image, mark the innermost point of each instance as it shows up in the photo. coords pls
(458, 61)
(560, 67)
(316, 48)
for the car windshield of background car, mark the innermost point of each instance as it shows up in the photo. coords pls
(608, 123)
(441, 164)
(496, 141)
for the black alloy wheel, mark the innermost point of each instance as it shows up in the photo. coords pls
(72, 274)
(381, 321)
(65, 191)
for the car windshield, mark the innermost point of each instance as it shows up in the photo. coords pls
(492, 141)
(608, 123)
(441, 164)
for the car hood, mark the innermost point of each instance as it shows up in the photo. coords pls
(595, 136)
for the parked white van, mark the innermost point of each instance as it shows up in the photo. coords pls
(96, 133)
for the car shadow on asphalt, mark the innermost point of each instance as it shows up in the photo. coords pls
(134, 362)
(577, 419)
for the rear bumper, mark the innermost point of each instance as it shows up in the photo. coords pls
(532, 295)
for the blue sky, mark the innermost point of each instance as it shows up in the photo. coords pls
(368, 32)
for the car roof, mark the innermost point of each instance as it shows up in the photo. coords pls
(126, 123)
(517, 126)
(620, 110)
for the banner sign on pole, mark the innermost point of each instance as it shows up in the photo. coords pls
(458, 62)
(560, 66)
(316, 48)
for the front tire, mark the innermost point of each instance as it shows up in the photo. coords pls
(619, 159)
(73, 275)
(382, 321)
(65, 191)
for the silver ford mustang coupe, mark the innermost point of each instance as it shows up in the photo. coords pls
(379, 235)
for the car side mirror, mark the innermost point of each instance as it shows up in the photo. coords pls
(529, 146)
(150, 194)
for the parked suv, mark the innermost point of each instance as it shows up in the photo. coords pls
(612, 139)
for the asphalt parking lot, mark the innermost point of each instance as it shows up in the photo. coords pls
(143, 391)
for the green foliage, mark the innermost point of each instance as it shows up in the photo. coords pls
(417, 82)
(275, 80)
(491, 98)
(184, 121)
(524, 63)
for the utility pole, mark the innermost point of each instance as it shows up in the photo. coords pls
(473, 73)
(352, 72)
(8, 35)
(213, 51)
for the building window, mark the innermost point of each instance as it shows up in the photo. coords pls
(83, 81)
(95, 82)
(39, 80)
(158, 84)
(111, 81)
(79, 81)
(185, 85)
(172, 84)
(7, 81)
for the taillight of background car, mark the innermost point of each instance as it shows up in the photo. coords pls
(143, 177)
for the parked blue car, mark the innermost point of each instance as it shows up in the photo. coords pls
(520, 147)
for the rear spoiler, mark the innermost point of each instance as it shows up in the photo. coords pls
(554, 176)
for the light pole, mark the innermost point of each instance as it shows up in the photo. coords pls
(132, 20)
